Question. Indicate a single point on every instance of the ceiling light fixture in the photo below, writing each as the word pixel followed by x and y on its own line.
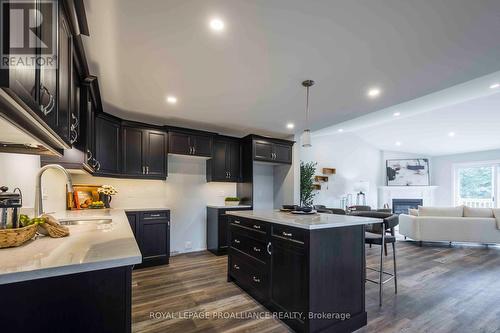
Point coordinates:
pixel 398 143
pixel 451 134
pixel 172 99
pixel 290 126
pixel 340 130
pixel 216 24
pixel 306 136
pixel 396 114
pixel 495 86
pixel 374 92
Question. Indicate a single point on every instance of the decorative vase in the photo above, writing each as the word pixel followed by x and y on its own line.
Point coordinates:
pixel 106 199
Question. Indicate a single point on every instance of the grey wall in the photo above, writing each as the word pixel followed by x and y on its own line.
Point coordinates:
pixel 442 172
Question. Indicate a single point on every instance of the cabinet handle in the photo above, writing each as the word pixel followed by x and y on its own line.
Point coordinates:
pixel 237 222
pixel 236 267
pixel 147 170
pixel 287 234
pixel 256 226
pixel 155 215
pixel 269 248
pixel 47 109
pixel 89 155
pixel 256 249
pixel 98 165
pixel 255 279
pixel 74 129
pixel 237 241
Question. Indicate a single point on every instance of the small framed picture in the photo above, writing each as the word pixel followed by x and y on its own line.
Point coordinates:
pixel 83 196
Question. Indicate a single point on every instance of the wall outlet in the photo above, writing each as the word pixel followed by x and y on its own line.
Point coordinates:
pixel 188 245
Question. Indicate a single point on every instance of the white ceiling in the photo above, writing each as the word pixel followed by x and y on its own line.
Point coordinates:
pixel 247 79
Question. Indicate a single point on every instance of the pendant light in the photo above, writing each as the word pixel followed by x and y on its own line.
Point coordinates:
pixel 306 136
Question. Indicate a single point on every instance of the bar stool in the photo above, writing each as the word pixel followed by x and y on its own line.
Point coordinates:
pixel 378 236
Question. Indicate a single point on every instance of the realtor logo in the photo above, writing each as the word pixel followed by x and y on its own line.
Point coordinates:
pixel 29 33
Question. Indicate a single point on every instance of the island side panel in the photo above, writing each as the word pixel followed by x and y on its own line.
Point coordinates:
pixel 337 278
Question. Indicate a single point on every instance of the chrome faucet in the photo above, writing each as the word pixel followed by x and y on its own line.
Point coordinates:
pixel 38 188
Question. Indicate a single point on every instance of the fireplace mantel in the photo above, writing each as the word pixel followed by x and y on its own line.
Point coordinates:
pixel 387 193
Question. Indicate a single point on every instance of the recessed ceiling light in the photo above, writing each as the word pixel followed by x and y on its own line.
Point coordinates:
pixel 290 125
pixel 340 130
pixel 451 134
pixel 216 24
pixel 398 143
pixel 396 114
pixel 495 85
pixel 374 92
pixel 171 99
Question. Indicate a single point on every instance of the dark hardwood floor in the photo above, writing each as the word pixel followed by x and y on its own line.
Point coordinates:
pixel 440 289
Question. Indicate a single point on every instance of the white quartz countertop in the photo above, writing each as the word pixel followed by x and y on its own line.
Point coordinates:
pixel 89 247
pixel 226 207
pixel 310 222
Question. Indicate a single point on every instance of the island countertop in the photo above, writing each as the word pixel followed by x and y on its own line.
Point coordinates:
pixel 88 247
pixel 309 222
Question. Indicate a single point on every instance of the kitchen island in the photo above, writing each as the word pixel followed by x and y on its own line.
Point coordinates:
pixel 307 269
pixel 79 283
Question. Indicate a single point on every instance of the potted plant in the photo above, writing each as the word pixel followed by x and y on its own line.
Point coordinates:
pixel 307 171
pixel 105 194
pixel 232 201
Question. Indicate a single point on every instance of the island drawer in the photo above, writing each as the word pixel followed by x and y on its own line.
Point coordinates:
pixel 290 233
pixel 250 275
pixel 249 243
pixel 249 223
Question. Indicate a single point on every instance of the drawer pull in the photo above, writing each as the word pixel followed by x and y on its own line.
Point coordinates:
pixel 256 279
pixel 237 241
pixel 237 222
pixel 236 267
pixel 287 234
pixel 269 247
pixel 155 215
pixel 256 249
pixel 256 226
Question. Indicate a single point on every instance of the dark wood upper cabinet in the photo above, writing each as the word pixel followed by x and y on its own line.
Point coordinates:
pixel 144 153
pixel 108 145
pixel 190 144
pixel 225 163
pixel 272 150
pixel 155 157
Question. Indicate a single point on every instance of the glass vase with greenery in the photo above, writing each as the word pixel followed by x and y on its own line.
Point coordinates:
pixel 307 171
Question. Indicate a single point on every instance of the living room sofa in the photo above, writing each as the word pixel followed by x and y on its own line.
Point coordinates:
pixel 451 224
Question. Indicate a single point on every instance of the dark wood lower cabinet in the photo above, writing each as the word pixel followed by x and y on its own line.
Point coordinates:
pixel 96 301
pixel 152 233
pixel 217 229
pixel 314 278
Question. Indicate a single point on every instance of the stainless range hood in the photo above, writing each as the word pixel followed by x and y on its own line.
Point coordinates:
pixel 22 132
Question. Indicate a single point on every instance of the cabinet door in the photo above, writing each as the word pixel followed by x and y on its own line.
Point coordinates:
pixel 23 80
pixel 223 231
pixel 282 153
pixel 154 240
pixel 155 158
pixel 233 160
pixel 263 150
pixel 133 151
pixel 107 146
pixel 288 276
pixel 202 145
pixel 219 161
pixel 178 143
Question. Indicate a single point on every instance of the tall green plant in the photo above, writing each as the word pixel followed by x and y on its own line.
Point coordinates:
pixel 307 171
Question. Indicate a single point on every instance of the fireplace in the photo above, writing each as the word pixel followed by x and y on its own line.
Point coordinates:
pixel 401 206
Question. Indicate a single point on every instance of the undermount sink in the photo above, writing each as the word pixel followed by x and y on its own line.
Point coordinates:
pixel 85 222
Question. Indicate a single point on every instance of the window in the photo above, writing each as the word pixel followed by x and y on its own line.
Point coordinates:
pixel 476 185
